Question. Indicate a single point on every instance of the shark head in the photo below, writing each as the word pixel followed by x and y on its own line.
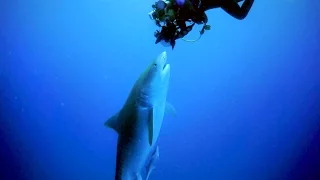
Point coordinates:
pixel 155 79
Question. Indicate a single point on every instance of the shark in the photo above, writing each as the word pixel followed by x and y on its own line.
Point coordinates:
pixel 138 122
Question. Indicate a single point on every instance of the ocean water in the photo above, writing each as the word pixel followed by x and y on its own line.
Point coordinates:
pixel 247 94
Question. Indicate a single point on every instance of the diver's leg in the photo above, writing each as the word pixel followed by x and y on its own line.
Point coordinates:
pixel 211 4
pixel 233 8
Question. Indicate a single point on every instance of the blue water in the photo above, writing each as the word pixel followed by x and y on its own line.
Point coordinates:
pixel 247 94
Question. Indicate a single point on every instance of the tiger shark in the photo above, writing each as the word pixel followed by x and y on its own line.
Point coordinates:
pixel 139 121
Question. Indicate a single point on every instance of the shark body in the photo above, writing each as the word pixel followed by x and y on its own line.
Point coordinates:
pixel 139 121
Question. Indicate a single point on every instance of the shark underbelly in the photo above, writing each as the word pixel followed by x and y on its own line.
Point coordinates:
pixel 132 154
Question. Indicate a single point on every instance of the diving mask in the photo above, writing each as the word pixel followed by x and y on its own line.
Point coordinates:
pixel 160 11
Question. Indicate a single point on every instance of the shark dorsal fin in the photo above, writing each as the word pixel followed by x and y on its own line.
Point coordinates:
pixel 113 123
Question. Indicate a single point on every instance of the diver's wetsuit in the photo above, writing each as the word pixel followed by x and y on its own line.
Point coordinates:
pixel 171 32
pixel 197 15
pixel 230 6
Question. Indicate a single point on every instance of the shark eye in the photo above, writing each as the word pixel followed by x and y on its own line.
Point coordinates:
pixel 155 65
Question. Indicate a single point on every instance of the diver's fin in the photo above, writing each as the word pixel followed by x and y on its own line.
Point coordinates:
pixel 113 123
pixel 151 166
pixel 170 109
pixel 150 125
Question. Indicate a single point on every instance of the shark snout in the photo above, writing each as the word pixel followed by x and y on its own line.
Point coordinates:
pixel 162 60
pixel 164 54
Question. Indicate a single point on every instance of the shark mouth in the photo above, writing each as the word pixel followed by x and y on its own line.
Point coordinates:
pixel 165 66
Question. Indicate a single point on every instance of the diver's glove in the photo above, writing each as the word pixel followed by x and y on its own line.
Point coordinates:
pixel 200 17
pixel 205 28
pixel 165 41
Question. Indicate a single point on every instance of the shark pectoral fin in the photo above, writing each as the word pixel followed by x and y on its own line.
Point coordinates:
pixel 150 125
pixel 153 160
pixel 113 123
pixel 138 177
pixel 170 110
pixel 149 173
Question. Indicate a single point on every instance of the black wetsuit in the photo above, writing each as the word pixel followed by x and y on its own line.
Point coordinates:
pixel 197 15
pixel 230 6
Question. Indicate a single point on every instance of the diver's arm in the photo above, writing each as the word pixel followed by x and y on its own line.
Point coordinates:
pixel 233 8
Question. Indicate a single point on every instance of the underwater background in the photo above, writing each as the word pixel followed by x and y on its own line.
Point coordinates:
pixel 247 94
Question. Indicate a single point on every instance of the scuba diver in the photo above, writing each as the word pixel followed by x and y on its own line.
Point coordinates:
pixel 173 15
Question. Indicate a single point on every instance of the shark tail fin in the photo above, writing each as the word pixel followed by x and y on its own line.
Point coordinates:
pixel 113 123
